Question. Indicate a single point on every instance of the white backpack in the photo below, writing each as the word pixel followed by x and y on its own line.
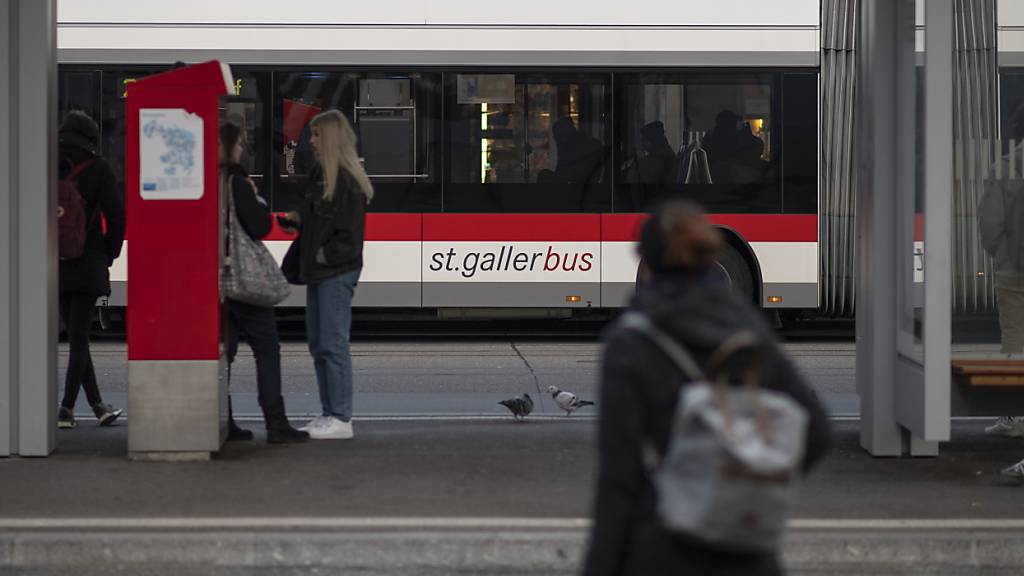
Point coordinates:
pixel 732 463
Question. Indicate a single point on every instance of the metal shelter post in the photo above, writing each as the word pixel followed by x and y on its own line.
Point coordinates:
pixel 903 323
pixel 28 259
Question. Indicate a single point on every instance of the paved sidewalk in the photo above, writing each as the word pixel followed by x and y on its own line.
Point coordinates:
pixel 448 494
pixel 467 468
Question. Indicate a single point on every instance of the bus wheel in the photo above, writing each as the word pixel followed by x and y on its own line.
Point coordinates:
pixel 735 271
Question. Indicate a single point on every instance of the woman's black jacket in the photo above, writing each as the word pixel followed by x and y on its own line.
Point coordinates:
pixel 90 273
pixel 639 389
pixel 251 210
pixel 331 231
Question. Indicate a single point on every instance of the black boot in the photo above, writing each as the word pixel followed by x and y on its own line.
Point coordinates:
pixel 234 432
pixel 279 431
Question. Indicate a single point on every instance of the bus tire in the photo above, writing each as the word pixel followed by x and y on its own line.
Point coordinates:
pixel 733 266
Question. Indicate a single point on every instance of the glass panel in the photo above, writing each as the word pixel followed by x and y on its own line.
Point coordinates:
pixel 528 143
pixel 1003 269
pixel 252 115
pixel 395 116
pixel 710 139
pixel 78 90
pixel 988 276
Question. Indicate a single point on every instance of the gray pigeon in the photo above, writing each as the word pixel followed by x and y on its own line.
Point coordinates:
pixel 520 406
pixel 567 400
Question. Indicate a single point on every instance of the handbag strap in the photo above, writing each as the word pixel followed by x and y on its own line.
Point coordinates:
pixel 231 209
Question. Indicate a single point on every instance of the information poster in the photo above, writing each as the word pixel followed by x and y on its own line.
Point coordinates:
pixel 170 154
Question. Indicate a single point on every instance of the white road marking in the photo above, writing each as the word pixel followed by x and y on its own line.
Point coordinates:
pixel 372 523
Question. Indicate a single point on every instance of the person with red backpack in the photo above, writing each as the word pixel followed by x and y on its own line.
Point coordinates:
pixel 88 197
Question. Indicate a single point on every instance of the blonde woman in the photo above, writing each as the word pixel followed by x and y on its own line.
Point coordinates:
pixel 330 258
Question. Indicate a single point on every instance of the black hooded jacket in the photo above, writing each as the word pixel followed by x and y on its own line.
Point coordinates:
pixel 90 274
pixel 331 231
pixel 639 391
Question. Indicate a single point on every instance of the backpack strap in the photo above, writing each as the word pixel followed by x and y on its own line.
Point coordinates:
pixel 639 322
pixel 77 169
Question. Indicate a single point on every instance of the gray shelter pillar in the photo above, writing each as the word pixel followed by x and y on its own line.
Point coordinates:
pixel 28 259
pixel 903 329
pixel 877 136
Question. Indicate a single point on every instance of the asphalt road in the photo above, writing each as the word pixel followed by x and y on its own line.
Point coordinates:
pixel 416 376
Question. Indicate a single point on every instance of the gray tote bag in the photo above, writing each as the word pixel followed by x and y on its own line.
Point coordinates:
pixel 730 470
pixel 250 274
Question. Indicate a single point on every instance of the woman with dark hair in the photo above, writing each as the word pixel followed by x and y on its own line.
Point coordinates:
pixel 640 386
pixel 255 323
pixel 87 277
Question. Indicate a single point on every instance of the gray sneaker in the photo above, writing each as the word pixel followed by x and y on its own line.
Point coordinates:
pixel 66 419
pixel 1015 471
pixel 106 414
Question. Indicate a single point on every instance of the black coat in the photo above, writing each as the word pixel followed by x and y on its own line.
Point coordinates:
pixel 90 274
pixel 639 390
pixel 331 231
pixel 252 211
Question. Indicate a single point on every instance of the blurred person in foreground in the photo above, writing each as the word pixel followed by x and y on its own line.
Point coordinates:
pixel 686 299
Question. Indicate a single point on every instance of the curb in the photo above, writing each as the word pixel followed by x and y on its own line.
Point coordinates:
pixel 430 548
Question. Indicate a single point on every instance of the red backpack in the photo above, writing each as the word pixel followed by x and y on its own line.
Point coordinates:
pixel 72 226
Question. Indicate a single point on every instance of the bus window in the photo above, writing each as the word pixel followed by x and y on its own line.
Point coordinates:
pixel 78 90
pixel 528 143
pixel 252 116
pixel 298 97
pixel 114 84
pixel 709 138
pixel 800 143
pixel 395 117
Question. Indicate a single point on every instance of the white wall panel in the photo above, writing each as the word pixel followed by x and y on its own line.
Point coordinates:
pixel 642 12
pixel 441 12
pixel 781 262
pixel 787 262
pixel 382 261
pixel 457 40
pixel 1010 13
pixel 619 261
pixel 242 12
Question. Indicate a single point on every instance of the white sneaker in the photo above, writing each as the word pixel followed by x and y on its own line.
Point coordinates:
pixel 334 429
pixel 315 423
pixel 1007 426
pixel 1015 471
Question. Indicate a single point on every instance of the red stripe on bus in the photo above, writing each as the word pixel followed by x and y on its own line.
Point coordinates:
pixel 382 227
pixel 512 227
pixel 379 228
pixel 752 227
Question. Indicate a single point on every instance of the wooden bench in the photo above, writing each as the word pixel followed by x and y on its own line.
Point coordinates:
pixel 989 372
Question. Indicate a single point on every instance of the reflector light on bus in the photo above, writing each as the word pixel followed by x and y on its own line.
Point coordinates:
pixel 775 299
pixel 573 298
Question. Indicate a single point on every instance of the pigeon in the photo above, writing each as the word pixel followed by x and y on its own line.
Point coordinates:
pixel 520 406
pixel 567 400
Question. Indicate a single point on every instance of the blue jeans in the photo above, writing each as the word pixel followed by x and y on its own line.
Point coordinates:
pixel 328 323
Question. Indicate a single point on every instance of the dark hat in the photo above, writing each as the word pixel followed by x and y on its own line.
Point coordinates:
pixel 78 129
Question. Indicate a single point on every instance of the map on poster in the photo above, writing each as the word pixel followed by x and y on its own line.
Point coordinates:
pixel 170 154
